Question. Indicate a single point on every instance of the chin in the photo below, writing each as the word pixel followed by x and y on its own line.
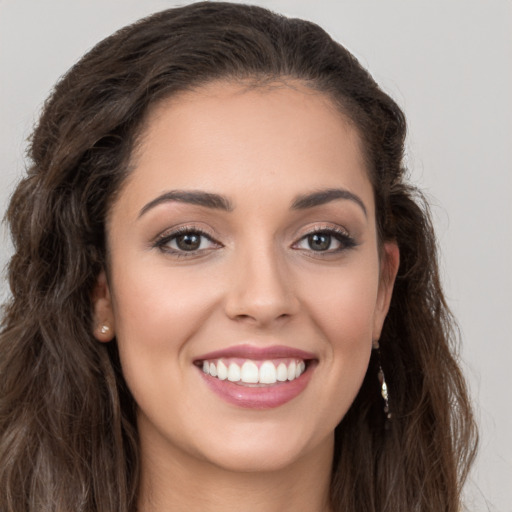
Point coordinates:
pixel 254 458
pixel 261 448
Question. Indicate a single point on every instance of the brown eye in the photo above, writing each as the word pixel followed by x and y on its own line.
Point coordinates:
pixel 319 241
pixel 329 241
pixel 188 241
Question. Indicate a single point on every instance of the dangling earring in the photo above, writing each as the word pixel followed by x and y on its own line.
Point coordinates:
pixel 383 385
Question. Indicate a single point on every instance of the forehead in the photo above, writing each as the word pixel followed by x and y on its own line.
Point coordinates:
pixel 247 105
pixel 225 137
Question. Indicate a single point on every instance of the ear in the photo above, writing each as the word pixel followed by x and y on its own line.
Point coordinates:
pixel 103 314
pixel 389 267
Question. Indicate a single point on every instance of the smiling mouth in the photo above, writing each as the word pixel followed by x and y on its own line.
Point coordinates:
pixel 254 373
pixel 255 377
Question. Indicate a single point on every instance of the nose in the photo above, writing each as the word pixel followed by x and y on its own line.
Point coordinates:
pixel 261 290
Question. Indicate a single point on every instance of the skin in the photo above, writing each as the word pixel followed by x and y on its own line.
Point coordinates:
pixel 258 282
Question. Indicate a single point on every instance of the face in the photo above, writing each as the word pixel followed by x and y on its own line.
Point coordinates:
pixel 245 285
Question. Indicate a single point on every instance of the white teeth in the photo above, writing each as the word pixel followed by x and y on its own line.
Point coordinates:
pixel 282 372
pixel 291 370
pixel 234 372
pixel 268 373
pixel 249 373
pixel 222 371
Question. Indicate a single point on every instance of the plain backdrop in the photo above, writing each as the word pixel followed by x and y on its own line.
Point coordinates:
pixel 448 64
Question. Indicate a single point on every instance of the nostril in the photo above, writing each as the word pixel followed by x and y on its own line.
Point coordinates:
pixel 243 317
pixel 261 301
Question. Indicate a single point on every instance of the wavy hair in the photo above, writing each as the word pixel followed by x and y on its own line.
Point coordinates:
pixel 68 437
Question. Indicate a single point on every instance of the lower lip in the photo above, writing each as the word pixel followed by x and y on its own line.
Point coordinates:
pixel 265 397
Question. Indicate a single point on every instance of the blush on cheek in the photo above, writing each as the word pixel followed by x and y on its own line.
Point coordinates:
pixel 345 323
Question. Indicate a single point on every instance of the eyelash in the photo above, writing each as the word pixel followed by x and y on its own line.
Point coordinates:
pixel 345 240
pixel 165 239
pixel 162 243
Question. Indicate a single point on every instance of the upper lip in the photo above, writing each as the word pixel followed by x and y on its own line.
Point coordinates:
pixel 257 353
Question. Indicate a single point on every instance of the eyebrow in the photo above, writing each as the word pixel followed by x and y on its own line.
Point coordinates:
pixel 199 198
pixel 218 202
pixel 326 196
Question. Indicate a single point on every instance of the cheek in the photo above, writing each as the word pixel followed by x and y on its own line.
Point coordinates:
pixel 343 303
pixel 157 313
pixel 343 321
pixel 158 306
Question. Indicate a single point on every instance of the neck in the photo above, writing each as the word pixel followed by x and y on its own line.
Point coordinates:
pixel 182 482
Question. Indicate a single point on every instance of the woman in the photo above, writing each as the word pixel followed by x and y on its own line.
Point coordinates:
pixel 225 295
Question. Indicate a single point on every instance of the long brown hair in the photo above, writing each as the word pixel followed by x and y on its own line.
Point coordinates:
pixel 68 438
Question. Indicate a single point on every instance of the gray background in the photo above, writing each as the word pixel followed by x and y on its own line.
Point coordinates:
pixel 448 64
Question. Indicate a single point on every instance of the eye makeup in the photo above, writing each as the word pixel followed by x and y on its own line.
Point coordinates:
pixel 186 241
pixel 193 241
pixel 325 240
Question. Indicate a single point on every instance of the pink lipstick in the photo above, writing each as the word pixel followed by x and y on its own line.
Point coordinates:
pixel 257 377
